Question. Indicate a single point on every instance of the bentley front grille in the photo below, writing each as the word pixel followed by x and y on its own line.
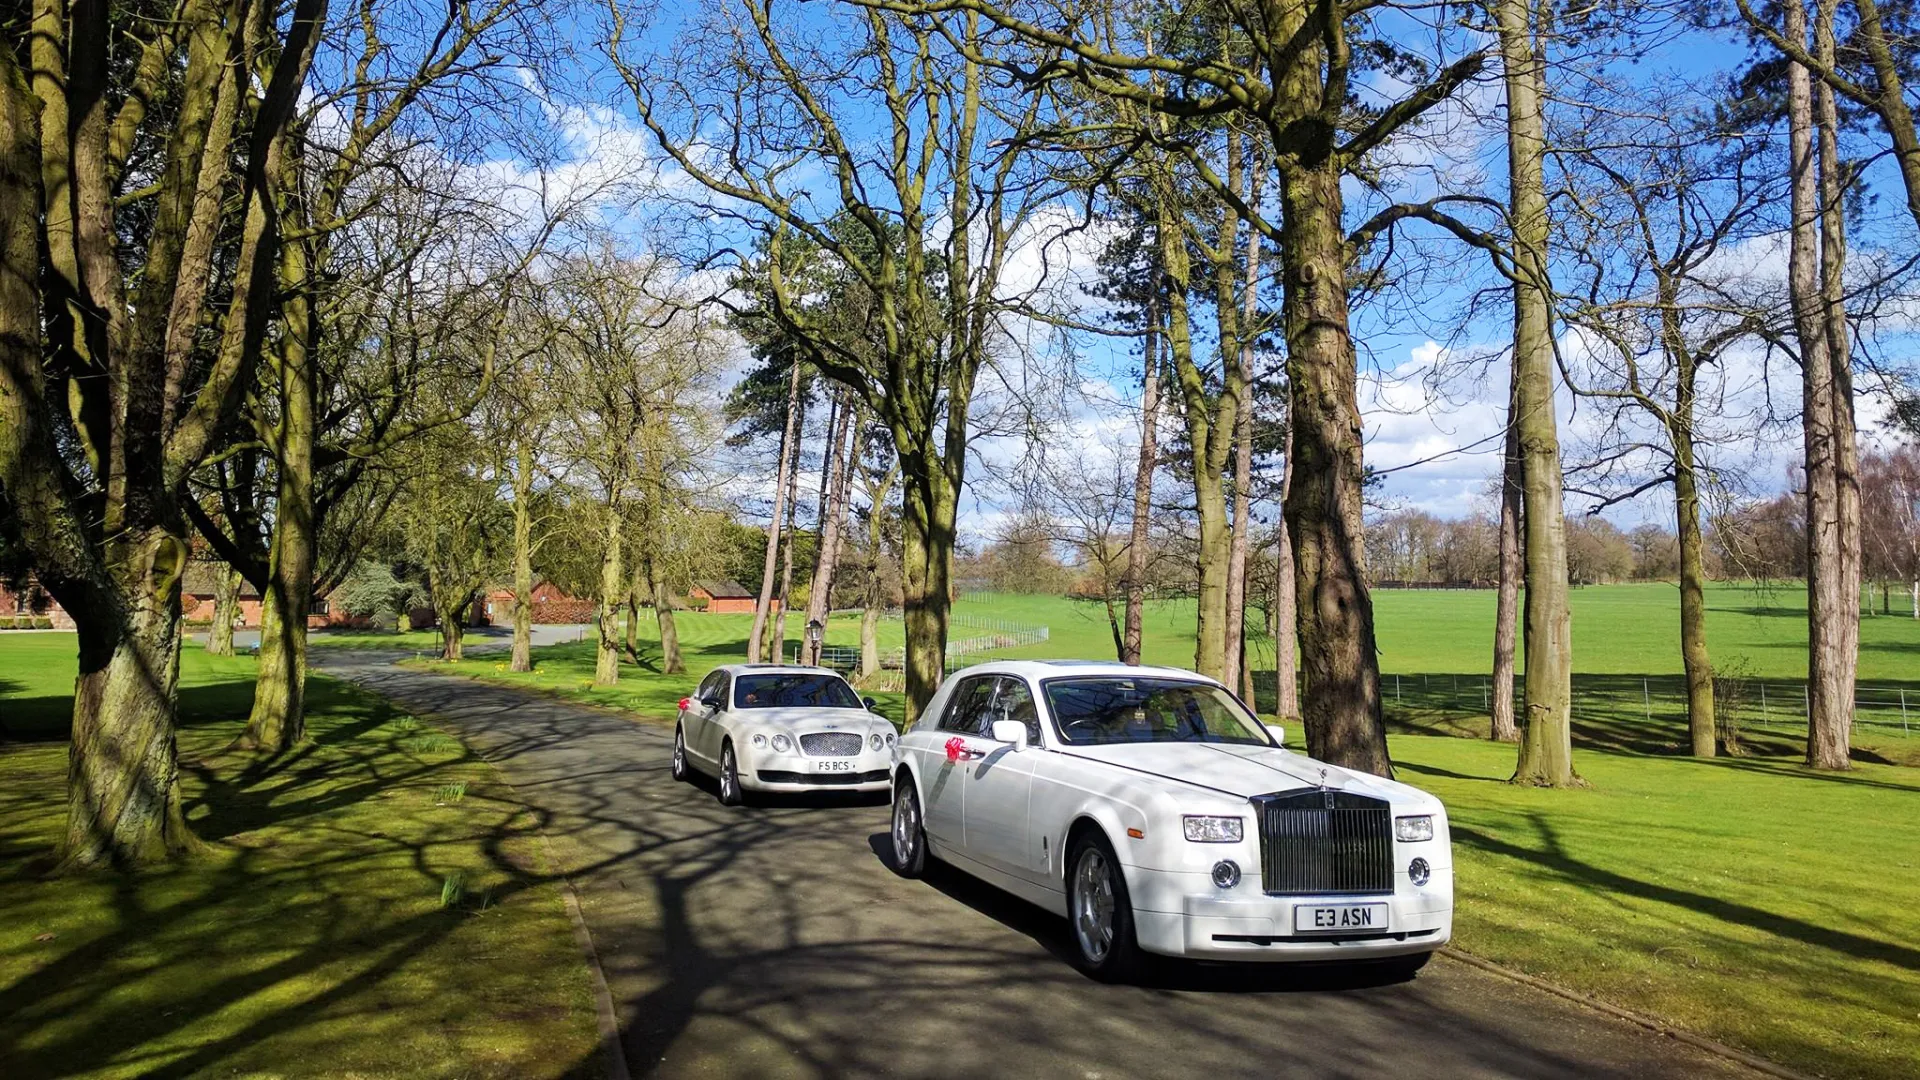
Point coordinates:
pixel 831 744
pixel 1320 842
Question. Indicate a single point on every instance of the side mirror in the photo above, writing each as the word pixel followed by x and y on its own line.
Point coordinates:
pixel 872 705
pixel 1012 732
pixel 710 703
pixel 1279 733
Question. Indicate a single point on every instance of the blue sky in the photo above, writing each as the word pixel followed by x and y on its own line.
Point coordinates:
pixel 1433 383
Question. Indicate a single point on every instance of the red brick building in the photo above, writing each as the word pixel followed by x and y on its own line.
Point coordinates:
pixel 725 596
pixel 552 606
pixel 32 601
pixel 197 601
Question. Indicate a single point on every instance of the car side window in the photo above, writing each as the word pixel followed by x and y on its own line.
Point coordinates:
pixel 723 689
pixel 708 687
pixel 967 712
pixel 1015 702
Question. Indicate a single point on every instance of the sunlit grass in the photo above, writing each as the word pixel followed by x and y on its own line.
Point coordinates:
pixel 317 935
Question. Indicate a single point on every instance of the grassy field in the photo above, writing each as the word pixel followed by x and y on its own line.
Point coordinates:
pixel 376 904
pixel 1743 898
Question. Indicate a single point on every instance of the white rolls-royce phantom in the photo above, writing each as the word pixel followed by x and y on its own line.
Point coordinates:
pixel 778 727
pixel 1149 807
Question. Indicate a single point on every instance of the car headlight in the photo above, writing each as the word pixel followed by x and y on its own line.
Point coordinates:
pixel 890 738
pixel 782 744
pixel 1202 829
pixel 760 741
pixel 873 741
pixel 1414 828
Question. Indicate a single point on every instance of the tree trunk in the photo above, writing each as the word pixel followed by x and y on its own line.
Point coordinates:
pixel 123 793
pixel 1546 745
pixel 278 721
pixel 777 644
pixel 1286 607
pixel 1341 707
pixel 522 659
pixel 671 662
pixel 1830 615
pixel 827 558
pixel 755 648
pixel 870 639
pixel 1236 655
pixel 452 633
pixel 1506 616
pixel 1143 482
pixel 634 589
pixel 1842 649
pixel 1197 409
pixel 928 522
pixel 226 607
pixel 1702 728
pixel 613 590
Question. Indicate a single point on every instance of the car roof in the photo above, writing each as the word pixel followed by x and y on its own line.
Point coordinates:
pixel 1054 669
pixel 776 669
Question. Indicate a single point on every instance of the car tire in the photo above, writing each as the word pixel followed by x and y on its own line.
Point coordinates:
pixel 908 830
pixel 679 766
pixel 731 793
pixel 1099 911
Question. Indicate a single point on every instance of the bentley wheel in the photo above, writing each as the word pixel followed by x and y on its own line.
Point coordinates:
pixel 909 837
pixel 679 754
pixel 1101 912
pixel 730 792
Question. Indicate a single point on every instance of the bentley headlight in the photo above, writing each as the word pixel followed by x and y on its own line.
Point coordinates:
pixel 890 738
pixel 873 740
pixel 1202 829
pixel 1408 830
pixel 782 744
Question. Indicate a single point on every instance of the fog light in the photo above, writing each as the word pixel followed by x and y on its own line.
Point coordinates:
pixel 873 741
pixel 782 744
pixel 1226 873
pixel 1419 872
pixel 760 741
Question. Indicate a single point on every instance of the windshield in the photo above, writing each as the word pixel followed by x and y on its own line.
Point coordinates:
pixel 793 691
pixel 1124 709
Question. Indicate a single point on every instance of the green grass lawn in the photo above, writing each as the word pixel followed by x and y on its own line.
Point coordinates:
pixel 1743 898
pixel 311 937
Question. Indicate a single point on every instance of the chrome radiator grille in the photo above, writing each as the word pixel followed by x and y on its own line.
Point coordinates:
pixel 1323 842
pixel 831 744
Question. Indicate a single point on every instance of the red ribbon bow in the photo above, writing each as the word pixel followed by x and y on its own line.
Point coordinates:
pixel 956 748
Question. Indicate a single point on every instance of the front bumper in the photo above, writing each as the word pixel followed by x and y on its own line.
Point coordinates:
pixel 764 770
pixel 1184 914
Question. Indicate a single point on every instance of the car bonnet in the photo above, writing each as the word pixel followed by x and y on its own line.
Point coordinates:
pixel 1235 769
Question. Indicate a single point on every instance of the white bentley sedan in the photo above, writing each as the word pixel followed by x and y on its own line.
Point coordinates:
pixel 1149 807
pixel 774 727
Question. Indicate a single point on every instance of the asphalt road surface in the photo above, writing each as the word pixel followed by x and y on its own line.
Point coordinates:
pixel 772 941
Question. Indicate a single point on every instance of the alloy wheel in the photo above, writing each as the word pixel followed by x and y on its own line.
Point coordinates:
pixel 906 827
pixel 1093 905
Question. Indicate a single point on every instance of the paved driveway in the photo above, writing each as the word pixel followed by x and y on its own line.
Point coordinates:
pixel 774 942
